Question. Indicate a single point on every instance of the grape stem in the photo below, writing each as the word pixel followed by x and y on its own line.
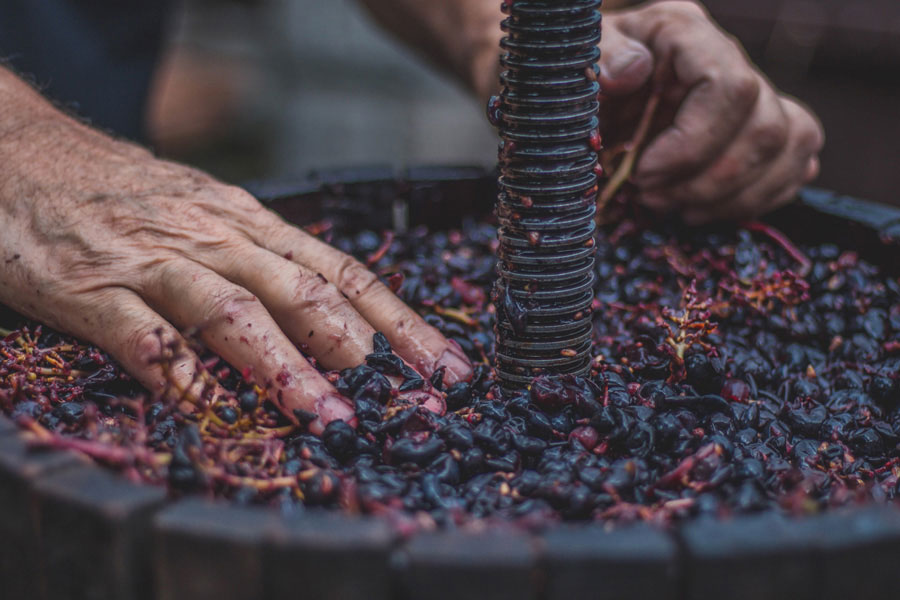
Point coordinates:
pixel 382 250
pixel 782 240
pixel 633 148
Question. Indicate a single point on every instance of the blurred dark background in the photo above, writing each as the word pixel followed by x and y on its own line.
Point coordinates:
pixel 842 57
pixel 269 88
pixel 273 88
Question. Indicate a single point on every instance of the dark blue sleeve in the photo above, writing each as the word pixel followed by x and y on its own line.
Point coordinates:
pixel 95 57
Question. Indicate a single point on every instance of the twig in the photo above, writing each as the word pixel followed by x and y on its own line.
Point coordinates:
pixel 782 240
pixel 456 315
pixel 119 456
pixel 633 148
pixel 382 250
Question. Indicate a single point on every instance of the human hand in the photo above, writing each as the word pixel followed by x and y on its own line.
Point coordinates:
pixel 101 240
pixel 724 144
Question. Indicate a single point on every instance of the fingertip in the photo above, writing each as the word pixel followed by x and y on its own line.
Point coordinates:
pixel 458 367
pixel 812 169
pixel 332 407
pixel 436 404
pixel 431 401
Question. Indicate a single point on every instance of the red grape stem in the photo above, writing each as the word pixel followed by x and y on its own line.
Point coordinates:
pixel 382 250
pixel 111 454
pixel 782 240
pixel 633 148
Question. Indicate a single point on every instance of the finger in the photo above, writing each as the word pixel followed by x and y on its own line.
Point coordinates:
pixel 812 169
pixel 796 163
pixel 744 161
pixel 312 312
pixel 309 309
pixel 723 88
pixel 145 344
pixel 625 63
pixel 781 180
pixel 412 338
pixel 235 325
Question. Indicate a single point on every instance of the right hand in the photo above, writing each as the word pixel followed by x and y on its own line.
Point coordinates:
pixel 101 240
pixel 725 144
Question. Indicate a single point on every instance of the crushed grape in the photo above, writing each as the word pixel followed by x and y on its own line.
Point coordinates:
pixel 731 372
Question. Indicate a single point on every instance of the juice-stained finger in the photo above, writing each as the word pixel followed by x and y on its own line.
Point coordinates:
pixel 309 309
pixel 312 312
pixel 146 345
pixel 418 343
pixel 234 324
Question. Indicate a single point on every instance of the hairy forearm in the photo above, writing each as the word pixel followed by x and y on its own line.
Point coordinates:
pixel 34 134
pixel 20 105
pixel 460 36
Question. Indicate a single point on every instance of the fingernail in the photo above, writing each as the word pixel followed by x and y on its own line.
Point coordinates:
pixel 458 366
pixel 619 64
pixel 432 402
pixel 333 407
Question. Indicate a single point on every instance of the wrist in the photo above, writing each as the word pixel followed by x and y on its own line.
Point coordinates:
pixel 26 142
pixel 20 105
pixel 29 122
pixel 53 156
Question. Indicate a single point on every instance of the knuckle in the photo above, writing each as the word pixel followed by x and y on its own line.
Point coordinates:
pixel 807 130
pixel 742 87
pixel 312 291
pixel 241 199
pixel 230 302
pixel 149 274
pixel 261 224
pixel 688 10
pixel 811 138
pixel 238 194
pixel 188 214
pixel 770 137
pixel 354 279
pixel 146 343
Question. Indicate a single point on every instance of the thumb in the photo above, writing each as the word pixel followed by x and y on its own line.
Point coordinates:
pixel 625 63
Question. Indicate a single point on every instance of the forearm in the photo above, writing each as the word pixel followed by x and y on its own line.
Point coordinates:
pixel 20 105
pixel 34 135
pixel 460 36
